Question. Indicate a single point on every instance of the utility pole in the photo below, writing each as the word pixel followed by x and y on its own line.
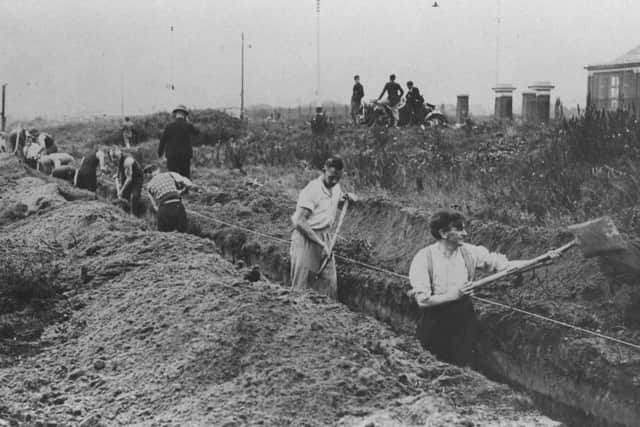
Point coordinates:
pixel 122 94
pixel 498 44
pixel 242 79
pixel 4 117
pixel 317 52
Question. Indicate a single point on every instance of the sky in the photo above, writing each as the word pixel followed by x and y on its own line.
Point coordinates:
pixel 73 57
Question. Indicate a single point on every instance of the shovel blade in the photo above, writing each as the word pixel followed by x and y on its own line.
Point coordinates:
pixel 598 237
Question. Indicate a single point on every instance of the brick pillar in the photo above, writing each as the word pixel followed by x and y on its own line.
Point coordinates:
pixel 529 107
pixel 462 108
pixel 543 100
pixel 504 101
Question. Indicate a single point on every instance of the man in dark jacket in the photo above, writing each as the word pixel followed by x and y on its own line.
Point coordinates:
pixel 394 95
pixel 175 143
pixel 356 99
pixel 414 101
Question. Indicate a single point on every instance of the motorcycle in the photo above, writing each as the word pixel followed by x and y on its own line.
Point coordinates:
pixel 378 112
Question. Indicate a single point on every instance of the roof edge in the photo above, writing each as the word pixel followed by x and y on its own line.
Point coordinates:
pixel 597 67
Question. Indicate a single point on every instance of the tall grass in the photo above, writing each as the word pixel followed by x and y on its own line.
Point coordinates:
pixel 574 169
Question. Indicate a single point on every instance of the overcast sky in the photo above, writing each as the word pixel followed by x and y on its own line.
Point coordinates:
pixel 64 56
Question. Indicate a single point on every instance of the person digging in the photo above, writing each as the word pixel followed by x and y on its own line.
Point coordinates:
pixel 312 263
pixel 441 277
pixel 129 181
pixel 164 191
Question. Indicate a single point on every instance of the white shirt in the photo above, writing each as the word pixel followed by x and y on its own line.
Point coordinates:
pixel 449 271
pixel 321 201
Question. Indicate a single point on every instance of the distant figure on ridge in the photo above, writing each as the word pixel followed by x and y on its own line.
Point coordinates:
pixel 176 143
pixel 127 132
pixel 356 99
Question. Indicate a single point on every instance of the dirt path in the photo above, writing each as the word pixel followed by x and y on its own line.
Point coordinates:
pixel 163 331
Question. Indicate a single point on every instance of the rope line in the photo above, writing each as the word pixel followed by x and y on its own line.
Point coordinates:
pixel 405 277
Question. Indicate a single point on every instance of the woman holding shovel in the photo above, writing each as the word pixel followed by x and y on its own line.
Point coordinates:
pixel 312 263
pixel 441 278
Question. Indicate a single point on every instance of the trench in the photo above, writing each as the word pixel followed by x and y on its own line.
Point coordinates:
pixel 566 378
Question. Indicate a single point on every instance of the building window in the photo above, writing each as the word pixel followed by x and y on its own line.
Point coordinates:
pixel 614 92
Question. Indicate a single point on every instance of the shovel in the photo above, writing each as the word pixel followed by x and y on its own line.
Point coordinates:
pixel 597 237
pixel 332 243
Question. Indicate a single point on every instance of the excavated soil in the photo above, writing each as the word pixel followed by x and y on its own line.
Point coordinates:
pixel 153 328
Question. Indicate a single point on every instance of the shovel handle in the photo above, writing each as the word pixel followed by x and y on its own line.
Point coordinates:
pixel 325 262
pixel 524 267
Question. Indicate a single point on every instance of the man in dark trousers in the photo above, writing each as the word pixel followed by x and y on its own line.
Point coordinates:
pixel 356 99
pixel 165 191
pixel 176 143
pixel 441 276
pixel 394 94
pixel 414 100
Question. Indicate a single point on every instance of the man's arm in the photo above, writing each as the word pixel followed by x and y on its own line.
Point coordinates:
pixel 128 173
pixel 300 220
pixel 183 181
pixel 154 205
pixel 384 89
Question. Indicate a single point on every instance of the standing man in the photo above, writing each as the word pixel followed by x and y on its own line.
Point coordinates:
pixel 176 143
pixel 127 132
pixel 394 94
pixel 165 190
pixel 414 101
pixel 356 99
pixel 315 212
pixel 440 276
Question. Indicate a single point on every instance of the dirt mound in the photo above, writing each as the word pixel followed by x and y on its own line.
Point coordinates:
pixel 162 330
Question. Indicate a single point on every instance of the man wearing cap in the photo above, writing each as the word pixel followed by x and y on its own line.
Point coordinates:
pixel 175 143
pixel 164 191
pixel 315 212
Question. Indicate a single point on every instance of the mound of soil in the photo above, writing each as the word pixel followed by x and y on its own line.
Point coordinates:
pixel 163 331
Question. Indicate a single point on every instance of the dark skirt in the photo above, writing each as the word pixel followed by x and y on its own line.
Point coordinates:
pixel 448 331
pixel 179 164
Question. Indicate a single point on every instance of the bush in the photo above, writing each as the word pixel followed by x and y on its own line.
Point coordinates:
pixel 27 273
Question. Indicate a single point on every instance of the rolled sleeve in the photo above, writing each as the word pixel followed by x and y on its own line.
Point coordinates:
pixel 491 261
pixel 306 199
pixel 419 276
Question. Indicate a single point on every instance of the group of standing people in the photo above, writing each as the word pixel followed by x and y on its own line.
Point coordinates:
pixel 394 93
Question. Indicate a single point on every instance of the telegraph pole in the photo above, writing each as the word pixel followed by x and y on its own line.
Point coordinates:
pixel 317 52
pixel 242 79
pixel 4 117
pixel 498 44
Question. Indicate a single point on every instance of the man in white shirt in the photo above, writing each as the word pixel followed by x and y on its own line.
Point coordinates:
pixel 316 210
pixel 440 276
